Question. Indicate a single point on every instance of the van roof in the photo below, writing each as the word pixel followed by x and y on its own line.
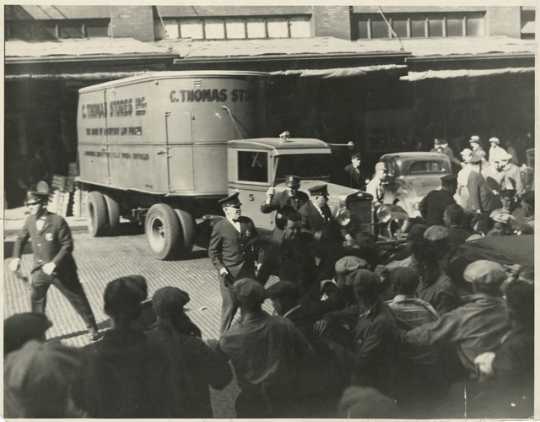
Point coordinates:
pixel 276 144
pixel 420 155
pixel 151 76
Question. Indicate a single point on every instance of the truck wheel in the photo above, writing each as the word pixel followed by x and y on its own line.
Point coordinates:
pixel 98 220
pixel 163 231
pixel 113 211
pixel 187 226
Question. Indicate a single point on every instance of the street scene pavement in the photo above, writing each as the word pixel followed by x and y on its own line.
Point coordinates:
pixel 100 260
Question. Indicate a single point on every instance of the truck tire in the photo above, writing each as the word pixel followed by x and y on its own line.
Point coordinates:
pixel 98 220
pixel 113 211
pixel 163 231
pixel 187 225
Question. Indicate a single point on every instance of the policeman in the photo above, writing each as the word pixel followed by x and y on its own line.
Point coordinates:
pixel 232 251
pixel 291 197
pixel 53 260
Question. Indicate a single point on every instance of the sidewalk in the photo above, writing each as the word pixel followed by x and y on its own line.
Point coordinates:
pixel 14 219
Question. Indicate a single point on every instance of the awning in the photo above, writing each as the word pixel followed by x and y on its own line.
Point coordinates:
pixel 341 72
pixel 464 73
pixel 72 76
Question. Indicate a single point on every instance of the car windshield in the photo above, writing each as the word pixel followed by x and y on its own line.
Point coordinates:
pixel 305 166
pixel 427 167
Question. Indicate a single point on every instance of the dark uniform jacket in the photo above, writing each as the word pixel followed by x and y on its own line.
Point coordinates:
pixel 53 243
pixel 355 177
pixel 231 249
pixel 433 205
pixel 312 220
pixel 282 199
pixel 480 195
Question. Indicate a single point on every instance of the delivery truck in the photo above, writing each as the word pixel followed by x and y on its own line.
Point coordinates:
pixel 161 148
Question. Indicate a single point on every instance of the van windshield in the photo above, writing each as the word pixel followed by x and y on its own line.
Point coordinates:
pixel 308 166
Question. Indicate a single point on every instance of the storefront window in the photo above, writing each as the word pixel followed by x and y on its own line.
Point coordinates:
pixel 454 26
pixel 379 28
pixel 362 28
pixel 94 30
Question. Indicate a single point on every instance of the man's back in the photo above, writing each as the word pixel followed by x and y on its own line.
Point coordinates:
pixel 433 205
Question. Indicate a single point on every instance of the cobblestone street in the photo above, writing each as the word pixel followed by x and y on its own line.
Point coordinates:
pixel 102 259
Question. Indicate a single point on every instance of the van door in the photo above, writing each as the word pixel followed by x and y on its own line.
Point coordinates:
pixel 252 180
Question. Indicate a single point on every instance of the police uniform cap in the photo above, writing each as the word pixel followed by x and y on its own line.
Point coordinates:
pixel 319 190
pixel 34 196
pixel 349 264
pixel 292 181
pixel 249 291
pixel 494 140
pixel 436 233
pixel 230 201
pixel 169 301
pixel 282 289
pixel 485 272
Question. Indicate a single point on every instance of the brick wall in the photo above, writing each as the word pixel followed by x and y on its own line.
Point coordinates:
pixel 332 21
pixel 504 21
pixel 133 21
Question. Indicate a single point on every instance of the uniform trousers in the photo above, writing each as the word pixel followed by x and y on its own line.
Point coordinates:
pixel 70 286
pixel 229 303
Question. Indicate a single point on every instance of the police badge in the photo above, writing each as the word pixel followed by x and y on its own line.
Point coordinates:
pixel 48 237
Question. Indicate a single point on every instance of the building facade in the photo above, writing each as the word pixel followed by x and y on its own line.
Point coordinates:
pixel 388 78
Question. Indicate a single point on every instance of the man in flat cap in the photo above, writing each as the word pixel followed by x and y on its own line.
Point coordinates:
pixel 52 245
pixel 474 142
pixel 475 327
pixel 194 366
pixel 232 251
pixel 482 198
pixel 495 149
pixel 267 354
pixel 508 174
pixel 355 176
pixel 434 203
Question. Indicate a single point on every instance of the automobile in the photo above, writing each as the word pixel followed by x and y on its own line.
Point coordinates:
pixel 411 175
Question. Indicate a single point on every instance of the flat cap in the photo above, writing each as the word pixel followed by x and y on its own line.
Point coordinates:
pixel 20 328
pixel 474 139
pixel 494 140
pixel 124 295
pixel 319 190
pixel 169 301
pixel 485 272
pixel 436 233
pixel 282 289
pixel 349 264
pixel 230 201
pixel 249 291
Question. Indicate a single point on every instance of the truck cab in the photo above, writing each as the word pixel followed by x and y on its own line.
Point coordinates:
pixel 255 165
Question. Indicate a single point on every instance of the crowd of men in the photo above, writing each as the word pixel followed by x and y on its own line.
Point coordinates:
pixel 355 333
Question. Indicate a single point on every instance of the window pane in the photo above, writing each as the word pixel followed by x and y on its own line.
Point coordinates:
pixel 378 28
pixel 362 28
pixel 252 166
pixel 278 28
pixel 400 27
pixel 418 27
pixel 256 28
pixel 172 29
pixel 97 30
pixel 73 30
pixel 235 29
pixel 475 26
pixel 435 27
pixel 215 29
pixel 300 27
pixel 454 26
pixel 191 29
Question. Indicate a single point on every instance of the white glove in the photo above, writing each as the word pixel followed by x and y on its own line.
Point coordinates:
pixel 223 272
pixel 484 363
pixel 271 191
pixel 14 264
pixel 49 268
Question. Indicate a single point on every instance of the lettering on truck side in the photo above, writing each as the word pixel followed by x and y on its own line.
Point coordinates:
pixel 209 95
pixel 118 108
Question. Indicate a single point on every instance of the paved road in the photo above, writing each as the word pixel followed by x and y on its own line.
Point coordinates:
pixel 103 259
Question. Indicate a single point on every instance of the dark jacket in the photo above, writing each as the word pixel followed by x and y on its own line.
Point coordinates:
pixel 53 243
pixel 194 367
pixel 230 249
pixel 125 375
pixel 282 199
pixel 433 205
pixel 355 178
pixel 481 197
pixel 312 220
